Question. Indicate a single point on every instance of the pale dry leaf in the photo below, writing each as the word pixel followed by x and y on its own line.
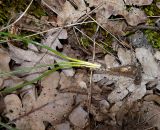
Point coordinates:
pixel 52 38
pixel 125 56
pixel 110 61
pixel 63 126
pixel 137 94
pixel 116 27
pixel 145 57
pixel 138 2
pixel 72 14
pixel 13 106
pixel 52 106
pixel 28 96
pixel 4 62
pixel 135 16
pixel 79 117
pixel 121 91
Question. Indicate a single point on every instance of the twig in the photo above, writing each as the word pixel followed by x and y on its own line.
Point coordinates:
pixel 144 27
pixel 91 73
pixel 85 51
pixel 18 18
pixel 89 38
pixel 50 8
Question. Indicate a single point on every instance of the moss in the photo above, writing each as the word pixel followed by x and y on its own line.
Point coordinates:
pixel 9 7
pixel 101 36
pixel 153 38
pixel 152 10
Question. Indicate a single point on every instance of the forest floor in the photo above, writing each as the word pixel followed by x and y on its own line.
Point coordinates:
pixel 80 65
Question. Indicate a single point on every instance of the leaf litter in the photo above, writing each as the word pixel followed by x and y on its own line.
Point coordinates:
pixel 122 90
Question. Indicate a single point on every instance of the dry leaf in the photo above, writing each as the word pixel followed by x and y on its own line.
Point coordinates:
pixel 4 64
pixel 79 117
pixel 117 7
pixel 150 67
pixel 135 16
pixel 50 106
pixel 138 2
pixel 72 14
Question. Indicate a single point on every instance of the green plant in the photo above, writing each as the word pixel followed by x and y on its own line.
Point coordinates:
pixel 153 38
pixel 72 62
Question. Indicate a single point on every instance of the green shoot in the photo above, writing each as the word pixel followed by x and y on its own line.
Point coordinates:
pixel 72 62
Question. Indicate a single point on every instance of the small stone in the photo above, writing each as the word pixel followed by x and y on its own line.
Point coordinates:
pixel 139 40
pixel 79 117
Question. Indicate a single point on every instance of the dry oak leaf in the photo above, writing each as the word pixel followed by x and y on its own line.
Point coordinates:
pixel 50 106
